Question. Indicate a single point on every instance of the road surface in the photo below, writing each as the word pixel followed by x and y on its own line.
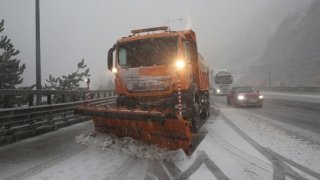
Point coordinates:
pixel 278 141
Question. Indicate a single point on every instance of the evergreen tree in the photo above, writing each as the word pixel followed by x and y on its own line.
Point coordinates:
pixel 70 81
pixel 10 68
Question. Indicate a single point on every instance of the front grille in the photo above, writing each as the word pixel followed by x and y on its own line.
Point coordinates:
pixel 148 86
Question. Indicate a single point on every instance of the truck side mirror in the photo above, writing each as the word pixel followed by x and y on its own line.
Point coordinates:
pixel 110 57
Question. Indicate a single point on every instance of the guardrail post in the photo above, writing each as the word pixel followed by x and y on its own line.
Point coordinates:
pixel 30 99
pixel 110 93
pixel 74 98
pixel 98 94
pixel 63 98
pixel 38 99
pixel 7 101
pixel 104 94
pixel 49 100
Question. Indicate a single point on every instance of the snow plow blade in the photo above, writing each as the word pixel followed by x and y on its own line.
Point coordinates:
pixel 151 127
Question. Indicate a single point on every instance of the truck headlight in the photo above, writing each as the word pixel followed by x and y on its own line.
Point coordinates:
pixel 180 64
pixel 218 91
pixel 114 70
pixel 240 97
pixel 260 97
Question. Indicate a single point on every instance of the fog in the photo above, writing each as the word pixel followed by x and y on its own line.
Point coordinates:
pixel 76 29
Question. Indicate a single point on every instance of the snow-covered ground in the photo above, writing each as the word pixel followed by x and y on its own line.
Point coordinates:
pixel 233 144
pixel 128 146
pixel 296 148
pixel 302 97
pixel 107 157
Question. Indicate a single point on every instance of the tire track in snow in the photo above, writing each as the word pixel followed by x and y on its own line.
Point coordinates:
pixel 171 169
pixel 280 169
pixel 174 173
pixel 244 156
pixel 131 167
pixel 156 170
pixel 202 157
pixel 37 169
pixel 294 130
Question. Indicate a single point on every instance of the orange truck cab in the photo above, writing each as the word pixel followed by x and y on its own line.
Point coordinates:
pixel 154 66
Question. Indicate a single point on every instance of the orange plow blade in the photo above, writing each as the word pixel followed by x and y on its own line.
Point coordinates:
pixel 151 127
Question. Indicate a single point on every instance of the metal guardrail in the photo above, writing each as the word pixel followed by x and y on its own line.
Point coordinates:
pixel 56 110
pixel 7 95
pixel 291 89
pixel 20 123
pixel 48 92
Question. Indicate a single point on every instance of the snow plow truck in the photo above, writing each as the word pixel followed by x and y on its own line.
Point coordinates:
pixel 162 86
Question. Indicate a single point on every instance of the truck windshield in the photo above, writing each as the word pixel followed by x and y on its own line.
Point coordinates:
pixel 148 52
pixel 223 79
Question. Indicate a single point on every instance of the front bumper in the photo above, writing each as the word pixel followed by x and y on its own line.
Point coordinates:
pixel 250 102
pixel 159 102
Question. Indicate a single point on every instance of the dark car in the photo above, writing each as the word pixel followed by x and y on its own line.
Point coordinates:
pixel 244 96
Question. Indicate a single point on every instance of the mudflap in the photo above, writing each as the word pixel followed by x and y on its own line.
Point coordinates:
pixel 151 127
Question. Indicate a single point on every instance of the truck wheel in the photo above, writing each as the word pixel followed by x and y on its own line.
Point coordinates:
pixel 228 102
pixel 203 105
pixel 208 105
pixel 120 101
pixel 195 118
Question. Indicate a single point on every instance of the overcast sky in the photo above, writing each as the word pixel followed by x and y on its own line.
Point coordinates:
pixel 76 29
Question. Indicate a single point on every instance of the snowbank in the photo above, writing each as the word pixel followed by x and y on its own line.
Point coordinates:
pixel 129 147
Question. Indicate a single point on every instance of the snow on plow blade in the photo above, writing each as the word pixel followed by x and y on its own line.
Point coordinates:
pixel 151 127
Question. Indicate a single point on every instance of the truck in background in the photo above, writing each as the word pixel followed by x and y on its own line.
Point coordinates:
pixel 221 81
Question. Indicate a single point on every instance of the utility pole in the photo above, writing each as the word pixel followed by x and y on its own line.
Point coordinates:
pixel 38 57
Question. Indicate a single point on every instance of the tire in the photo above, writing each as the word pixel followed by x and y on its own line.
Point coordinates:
pixel 208 106
pixel 195 121
pixel 205 107
pixel 228 102
pixel 260 106
pixel 120 101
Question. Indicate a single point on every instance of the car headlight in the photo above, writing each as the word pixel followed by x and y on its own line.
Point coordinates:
pixel 240 97
pixel 180 64
pixel 218 90
pixel 260 97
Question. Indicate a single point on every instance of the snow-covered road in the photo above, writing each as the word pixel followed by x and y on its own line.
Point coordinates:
pixel 275 142
pixel 302 97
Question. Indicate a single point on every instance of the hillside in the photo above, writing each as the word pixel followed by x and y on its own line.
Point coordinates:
pixel 292 55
